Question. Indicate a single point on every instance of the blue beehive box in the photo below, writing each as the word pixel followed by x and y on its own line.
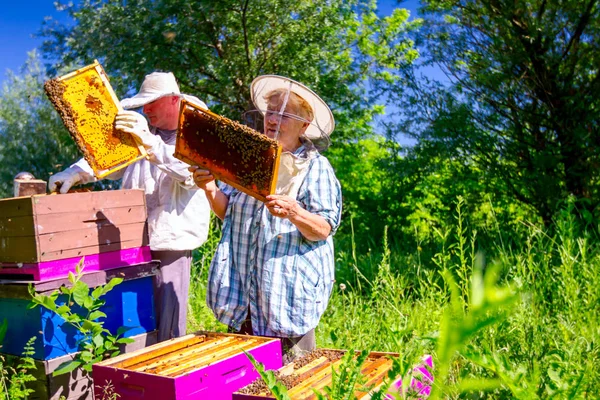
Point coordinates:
pixel 129 304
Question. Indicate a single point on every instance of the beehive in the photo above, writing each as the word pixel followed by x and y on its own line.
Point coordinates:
pixel 88 105
pixel 234 153
pixel 197 366
pixel 76 385
pixel 314 371
pixel 45 236
pixel 131 304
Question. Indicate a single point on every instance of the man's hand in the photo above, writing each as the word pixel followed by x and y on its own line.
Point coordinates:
pixel 282 206
pixel 203 179
pixel 64 180
pixel 135 124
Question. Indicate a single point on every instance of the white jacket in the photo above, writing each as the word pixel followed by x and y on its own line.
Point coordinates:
pixel 178 211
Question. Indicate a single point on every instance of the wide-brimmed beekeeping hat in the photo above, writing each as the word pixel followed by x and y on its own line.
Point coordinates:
pixel 155 86
pixel 322 123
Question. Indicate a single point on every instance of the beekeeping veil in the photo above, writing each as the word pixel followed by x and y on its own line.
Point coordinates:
pixel 273 95
pixel 313 109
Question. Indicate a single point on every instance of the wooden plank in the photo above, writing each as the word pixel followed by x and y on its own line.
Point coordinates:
pixel 320 379
pixel 166 360
pixel 18 249
pixel 92 218
pixel 61 222
pixel 19 289
pixel 168 346
pixel 100 235
pixel 213 357
pixel 16 207
pixel 74 202
pixel 95 249
pixel 375 375
pixel 17 226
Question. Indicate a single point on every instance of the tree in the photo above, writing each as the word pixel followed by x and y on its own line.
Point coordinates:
pixel 215 48
pixel 32 135
pixel 523 96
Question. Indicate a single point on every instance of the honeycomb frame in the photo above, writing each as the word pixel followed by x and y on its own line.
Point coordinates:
pixel 234 153
pixel 87 104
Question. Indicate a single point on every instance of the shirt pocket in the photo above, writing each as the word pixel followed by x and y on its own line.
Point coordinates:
pixel 307 295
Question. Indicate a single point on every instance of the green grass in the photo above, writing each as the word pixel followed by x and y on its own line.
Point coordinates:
pixel 523 321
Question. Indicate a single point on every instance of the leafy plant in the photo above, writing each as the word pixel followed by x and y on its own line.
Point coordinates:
pixel 277 388
pixel 13 380
pixel 81 309
pixel 347 379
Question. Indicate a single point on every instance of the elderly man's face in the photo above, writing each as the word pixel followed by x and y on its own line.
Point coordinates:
pixel 164 112
pixel 290 129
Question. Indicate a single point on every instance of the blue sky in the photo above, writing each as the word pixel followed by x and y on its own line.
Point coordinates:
pixel 20 20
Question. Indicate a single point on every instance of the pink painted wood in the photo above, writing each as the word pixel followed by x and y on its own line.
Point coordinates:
pixel 216 381
pixel 48 270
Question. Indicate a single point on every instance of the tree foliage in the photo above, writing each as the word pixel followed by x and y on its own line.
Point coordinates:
pixel 523 96
pixel 32 136
pixel 215 49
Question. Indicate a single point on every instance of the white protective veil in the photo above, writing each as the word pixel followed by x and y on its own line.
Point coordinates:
pixel 292 168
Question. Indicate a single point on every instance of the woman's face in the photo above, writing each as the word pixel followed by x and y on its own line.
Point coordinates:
pixel 290 128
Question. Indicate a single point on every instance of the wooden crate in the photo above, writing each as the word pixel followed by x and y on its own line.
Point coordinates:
pixel 305 376
pixel 88 105
pixel 39 229
pixel 197 366
pixel 76 385
pixel 130 303
pixel 234 153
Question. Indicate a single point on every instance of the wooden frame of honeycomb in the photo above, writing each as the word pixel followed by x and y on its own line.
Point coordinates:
pixel 234 153
pixel 88 105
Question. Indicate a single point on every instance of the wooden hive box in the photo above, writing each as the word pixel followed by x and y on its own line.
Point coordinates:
pixel 131 303
pixel 76 385
pixel 88 105
pixel 314 371
pixel 197 366
pixel 44 236
pixel 234 153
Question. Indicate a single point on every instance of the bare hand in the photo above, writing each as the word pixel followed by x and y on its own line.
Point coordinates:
pixel 203 179
pixel 282 206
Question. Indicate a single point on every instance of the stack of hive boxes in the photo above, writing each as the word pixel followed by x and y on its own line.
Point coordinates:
pixel 42 239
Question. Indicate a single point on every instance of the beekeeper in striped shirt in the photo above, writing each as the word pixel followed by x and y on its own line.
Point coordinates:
pixel 273 270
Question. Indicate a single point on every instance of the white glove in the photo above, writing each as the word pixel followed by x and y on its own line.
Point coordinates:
pixel 64 180
pixel 135 124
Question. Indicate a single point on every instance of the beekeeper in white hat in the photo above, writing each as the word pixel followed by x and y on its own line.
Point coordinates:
pixel 178 213
pixel 273 270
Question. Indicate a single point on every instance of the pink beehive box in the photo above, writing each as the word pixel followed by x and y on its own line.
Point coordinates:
pixel 43 237
pixel 202 365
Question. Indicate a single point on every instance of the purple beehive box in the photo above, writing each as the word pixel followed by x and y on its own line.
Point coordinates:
pixel 202 365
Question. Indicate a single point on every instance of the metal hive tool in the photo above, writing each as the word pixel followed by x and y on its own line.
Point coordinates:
pixel 234 153
pixel 88 105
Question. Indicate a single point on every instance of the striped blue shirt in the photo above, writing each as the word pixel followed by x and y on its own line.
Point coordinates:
pixel 263 262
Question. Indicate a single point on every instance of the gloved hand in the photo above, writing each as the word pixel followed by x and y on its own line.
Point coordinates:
pixel 64 180
pixel 135 124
